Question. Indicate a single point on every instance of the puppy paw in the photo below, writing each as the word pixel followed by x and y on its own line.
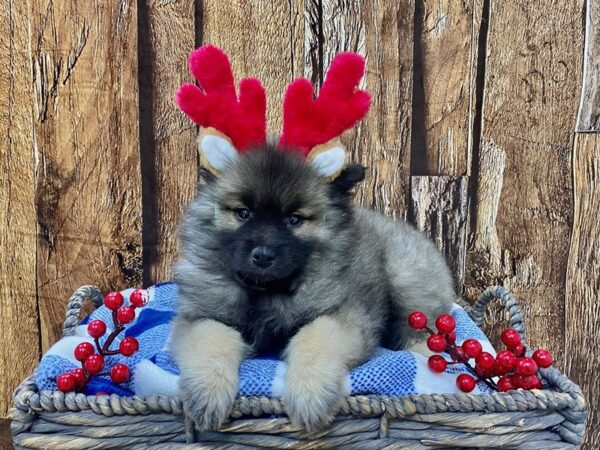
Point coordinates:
pixel 312 398
pixel 208 402
pixel 208 354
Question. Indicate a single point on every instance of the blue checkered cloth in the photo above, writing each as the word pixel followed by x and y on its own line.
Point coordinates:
pixel 393 373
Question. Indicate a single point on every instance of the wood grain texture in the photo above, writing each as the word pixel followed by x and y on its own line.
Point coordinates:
pixel 531 89
pixel 263 40
pixel 484 237
pixel 86 146
pixel 311 25
pixel 479 32
pixel 383 32
pixel 5 436
pixel 443 60
pixel 582 310
pixel 19 335
pixel 588 119
pixel 343 29
pixel 167 136
pixel 439 207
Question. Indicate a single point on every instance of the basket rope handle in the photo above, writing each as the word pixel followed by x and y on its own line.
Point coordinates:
pixel 511 305
pixel 75 305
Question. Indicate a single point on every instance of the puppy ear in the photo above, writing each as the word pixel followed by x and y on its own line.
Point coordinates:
pixel 216 150
pixel 328 159
pixel 349 177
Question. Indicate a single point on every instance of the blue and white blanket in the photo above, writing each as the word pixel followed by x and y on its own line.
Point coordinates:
pixel 394 373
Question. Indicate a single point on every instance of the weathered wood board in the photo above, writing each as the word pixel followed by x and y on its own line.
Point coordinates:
pixel 582 309
pixel 532 77
pixel 19 333
pixel 88 196
pixel 167 35
pixel 439 206
pixel 383 32
pixel 588 119
pixel 442 102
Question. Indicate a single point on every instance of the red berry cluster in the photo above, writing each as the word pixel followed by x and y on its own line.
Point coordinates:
pixel 92 359
pixel 515 369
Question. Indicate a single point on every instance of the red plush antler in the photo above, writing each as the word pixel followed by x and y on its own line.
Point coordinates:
pixel 214 103
pixel 340 104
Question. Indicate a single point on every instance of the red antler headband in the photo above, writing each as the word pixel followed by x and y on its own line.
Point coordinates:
pixel 233 124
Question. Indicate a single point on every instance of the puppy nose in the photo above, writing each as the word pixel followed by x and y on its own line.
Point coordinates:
pixel 262 256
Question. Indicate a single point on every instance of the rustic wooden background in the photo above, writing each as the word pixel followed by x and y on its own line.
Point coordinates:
pixel 474 136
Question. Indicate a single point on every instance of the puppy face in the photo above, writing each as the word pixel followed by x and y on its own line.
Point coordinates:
pixel 271 214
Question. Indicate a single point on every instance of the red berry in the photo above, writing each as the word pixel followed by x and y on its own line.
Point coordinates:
pixel 451 338
pixel 436 343
pixel 497 369
pixel 505 384
pixel 113 300
pixel 482 372
pixel 417 320
pixel 543 358
pixel 79 377
pixel 511 338
pixel 138 298
pixel 472 348
pixel 458 354
pixel 526 366
pixel 119 373
pixel 125 314
pixel 517 380
pixel 506 359
pixel 519 350
pixel 94 364
pixel 437 363
pixel 83 350
pixel 537 382
pixel 465 382
pixel 96 328
pixel 128 346
pixel 66 382
pixel 529 382
pixel 445 323
pixel 485 361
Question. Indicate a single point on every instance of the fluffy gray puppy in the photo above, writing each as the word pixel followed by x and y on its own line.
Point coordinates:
pixel 276 260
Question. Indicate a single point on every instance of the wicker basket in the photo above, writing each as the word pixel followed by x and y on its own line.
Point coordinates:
pixel 540 419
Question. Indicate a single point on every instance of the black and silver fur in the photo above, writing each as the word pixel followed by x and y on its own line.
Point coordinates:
pixel 334 282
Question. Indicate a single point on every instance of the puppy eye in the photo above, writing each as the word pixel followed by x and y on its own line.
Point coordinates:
pixel 295 220
pixel 242 213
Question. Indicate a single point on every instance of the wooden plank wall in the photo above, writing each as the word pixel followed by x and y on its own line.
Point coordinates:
pixel 18 296
pixel 471 136
pixel 582 309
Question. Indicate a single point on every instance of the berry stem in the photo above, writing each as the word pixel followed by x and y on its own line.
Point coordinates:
pixel 111 337
pixel 452 350
pixel 488 381
pixel 111 352
pixel 98 347
pixel 104 350
pixel 109 340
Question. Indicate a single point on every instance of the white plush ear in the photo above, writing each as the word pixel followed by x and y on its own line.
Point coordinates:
pixel 329 162
pixel 217 149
